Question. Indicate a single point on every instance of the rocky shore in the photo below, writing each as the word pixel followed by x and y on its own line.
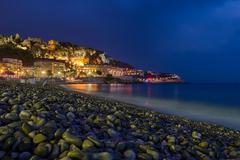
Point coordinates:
pixel 52 123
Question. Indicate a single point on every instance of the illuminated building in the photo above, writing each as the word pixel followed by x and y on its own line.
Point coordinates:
pixel 28 71
pixel 151 77
pixel 92 70
pixel 52 44
pixel 79 61
pixel 11 65
pixel 49 68
pixel 13 61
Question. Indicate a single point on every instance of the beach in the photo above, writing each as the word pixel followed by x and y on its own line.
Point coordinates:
pixel 51 122
pixel 212 103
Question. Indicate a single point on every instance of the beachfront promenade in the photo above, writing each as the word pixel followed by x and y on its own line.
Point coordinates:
pixel 52 123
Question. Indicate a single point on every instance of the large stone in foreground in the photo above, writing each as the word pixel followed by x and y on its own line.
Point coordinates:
pixel 43 149
pixel 71 139
pixel 39 138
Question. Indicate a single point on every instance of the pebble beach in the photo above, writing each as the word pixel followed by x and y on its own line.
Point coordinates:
pixel 50 122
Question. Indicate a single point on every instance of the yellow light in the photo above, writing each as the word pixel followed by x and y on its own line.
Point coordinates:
pixel 59 72
pixel 79 63
pixel 43 72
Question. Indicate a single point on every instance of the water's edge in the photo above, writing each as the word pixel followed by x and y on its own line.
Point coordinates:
pixel 187 112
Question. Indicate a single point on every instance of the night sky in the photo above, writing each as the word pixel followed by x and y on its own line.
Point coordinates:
pixel 197 39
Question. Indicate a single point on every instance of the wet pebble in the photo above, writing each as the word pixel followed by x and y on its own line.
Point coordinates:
pixel 196 135
pixel 39 138
pixel 43 149
pixel 44 123
pixel 2 154
pixel 71 139
pixel 130 154
pixel 87 144
pixel 25 155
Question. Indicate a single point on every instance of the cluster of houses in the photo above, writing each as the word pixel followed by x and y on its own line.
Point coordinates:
pixel 14 68
pixel 67 61
pixel 59 60
pixel 43 68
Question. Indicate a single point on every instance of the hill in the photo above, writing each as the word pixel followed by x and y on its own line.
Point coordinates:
pixel 30 48
pixel 9 52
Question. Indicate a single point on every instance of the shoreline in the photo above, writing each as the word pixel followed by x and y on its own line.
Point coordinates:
pixel 103 98
pixel 153 105
pixel 65 124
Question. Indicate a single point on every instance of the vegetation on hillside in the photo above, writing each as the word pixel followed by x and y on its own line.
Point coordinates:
pixel 10 52
pixel 14 46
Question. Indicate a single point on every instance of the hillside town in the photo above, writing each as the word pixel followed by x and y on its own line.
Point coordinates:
pixel 35 58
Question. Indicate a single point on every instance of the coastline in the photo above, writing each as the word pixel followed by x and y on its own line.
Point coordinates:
pixel 216 129
pixel 196 112
pixel 64 124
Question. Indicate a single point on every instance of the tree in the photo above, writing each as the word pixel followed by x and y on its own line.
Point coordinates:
pixel 49 73
pixel 109 77
pixel 73 73
pixel 82 74
pixel 10 52
pixel 99 72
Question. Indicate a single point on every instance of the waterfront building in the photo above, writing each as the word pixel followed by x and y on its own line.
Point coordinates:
pixel 49 68
pixel 11 66
pixel 28 72
pixel 132 72
pixel 116 71
pixel 151 77
pixel 92 71
pixel 104 70
pixel 13 61
pixel 100 71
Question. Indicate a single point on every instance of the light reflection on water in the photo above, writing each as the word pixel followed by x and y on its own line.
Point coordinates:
pixel 118 88
pixel 84 87
pixel 215 103
pixel 226 95
pixel 112 88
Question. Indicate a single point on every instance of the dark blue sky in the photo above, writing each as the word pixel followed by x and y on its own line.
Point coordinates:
pixel 198 39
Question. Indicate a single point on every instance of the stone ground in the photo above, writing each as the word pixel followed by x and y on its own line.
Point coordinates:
pixel 52 123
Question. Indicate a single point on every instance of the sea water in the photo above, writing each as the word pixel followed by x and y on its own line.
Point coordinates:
pixel 215 103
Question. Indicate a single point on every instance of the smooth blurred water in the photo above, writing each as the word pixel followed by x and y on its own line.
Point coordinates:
pixel 217 103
